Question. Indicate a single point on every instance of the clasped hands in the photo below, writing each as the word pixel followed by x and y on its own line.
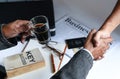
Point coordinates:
pixel 97 44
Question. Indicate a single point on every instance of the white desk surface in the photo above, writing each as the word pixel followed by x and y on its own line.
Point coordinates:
pixel 92 14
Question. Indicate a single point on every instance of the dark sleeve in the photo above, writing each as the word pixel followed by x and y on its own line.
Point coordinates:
pixel 77 68
pixel 6 43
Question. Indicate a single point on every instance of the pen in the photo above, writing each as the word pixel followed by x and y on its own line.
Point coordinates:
pixel 62 57
pixel 25 46
pixel 53 64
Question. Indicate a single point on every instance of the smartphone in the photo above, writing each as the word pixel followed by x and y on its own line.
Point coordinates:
pixel 75 42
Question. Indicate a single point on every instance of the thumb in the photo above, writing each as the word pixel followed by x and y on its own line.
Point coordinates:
pixel 96 39
pixel 90 35
pixel 108 40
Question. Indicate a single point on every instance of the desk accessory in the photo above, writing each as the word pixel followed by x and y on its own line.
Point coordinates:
pixel 58 50
pixel 64 51
pixel 75 42
pixel 24 62
pixel 53 63
pixel 27 42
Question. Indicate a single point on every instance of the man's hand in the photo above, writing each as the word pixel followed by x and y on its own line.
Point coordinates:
pixel 15 28
pixel 98 51
pixel 100 35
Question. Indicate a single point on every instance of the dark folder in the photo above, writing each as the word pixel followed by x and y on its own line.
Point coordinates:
pixel 10 11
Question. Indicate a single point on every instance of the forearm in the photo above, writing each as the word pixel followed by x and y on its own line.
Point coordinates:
pixel 113 20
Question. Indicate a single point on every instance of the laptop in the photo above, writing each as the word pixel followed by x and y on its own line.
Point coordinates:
pixel 10 11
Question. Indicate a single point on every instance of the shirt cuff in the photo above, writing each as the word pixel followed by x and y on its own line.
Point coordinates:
pixel 88 52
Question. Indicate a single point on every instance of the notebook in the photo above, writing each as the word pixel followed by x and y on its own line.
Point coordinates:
pixel 24 62
pixel 10 11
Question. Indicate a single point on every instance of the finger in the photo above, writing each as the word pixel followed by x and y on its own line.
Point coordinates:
pixel 23 39
pixel 96 39
pixel 21 22
pixel 99 58
pixel 23 26
pixel 106 47
pixel 24 35
pixel 108 40
pixel 90 35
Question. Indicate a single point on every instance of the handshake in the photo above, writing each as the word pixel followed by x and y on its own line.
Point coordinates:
pixel 97 44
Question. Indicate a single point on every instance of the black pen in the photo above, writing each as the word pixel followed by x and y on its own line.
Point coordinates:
pixel 25 45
